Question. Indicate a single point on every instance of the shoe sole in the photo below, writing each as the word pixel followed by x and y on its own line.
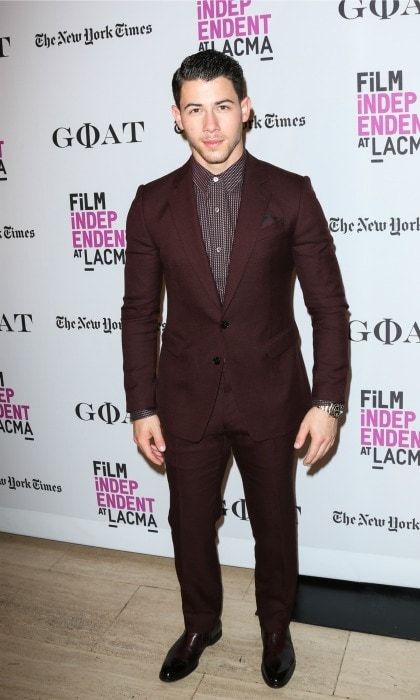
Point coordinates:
pixel 184 675
pixel 285 680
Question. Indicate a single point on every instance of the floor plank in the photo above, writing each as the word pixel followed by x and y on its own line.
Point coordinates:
pixel 49 606
pixel 216 688
pixel 142 569
pixel 33 670
pixel 30 551
pixel 85 623
pixel 380 667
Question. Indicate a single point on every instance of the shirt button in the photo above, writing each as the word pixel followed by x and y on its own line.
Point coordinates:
pixel 216 209
pixel 218 248
pixel 215 179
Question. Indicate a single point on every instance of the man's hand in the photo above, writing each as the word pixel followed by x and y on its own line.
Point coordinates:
pixel 147 435
pixel 322 429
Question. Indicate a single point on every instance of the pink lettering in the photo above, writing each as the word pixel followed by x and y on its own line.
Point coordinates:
pixel 122 502
pixel 108 238
pixel 226 27
pixel 387 437
pixel 381 102
pixel 16 411
pixel 6 394
pixel 388 124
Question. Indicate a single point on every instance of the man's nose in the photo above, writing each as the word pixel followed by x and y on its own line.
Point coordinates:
pixel 210 121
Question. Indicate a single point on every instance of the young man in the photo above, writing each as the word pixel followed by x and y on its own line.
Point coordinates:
pixel 227 232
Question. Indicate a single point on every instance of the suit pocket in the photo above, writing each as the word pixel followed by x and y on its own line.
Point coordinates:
pixel 173 343
pixel 281 342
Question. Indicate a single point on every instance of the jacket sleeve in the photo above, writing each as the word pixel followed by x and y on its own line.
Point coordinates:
pixel 141 308
pixel 323 291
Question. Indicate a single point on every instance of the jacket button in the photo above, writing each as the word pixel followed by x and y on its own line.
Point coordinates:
pixel 224 323
pixel 216 360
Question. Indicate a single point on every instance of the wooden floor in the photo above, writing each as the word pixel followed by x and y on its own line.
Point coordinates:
pixel 86 623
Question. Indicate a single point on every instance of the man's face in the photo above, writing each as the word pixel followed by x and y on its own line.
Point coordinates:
pixel 211 117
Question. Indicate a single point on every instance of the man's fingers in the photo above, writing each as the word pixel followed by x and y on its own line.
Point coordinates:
pixel 158 438
pixel 154 455
pixel 301 436
pixel 317 450
pixel 315 447
pixel 322 429
pixel 148 437
pixel 150 450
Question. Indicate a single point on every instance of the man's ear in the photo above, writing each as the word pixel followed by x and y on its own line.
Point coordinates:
pixel 245 108
pixel 177 116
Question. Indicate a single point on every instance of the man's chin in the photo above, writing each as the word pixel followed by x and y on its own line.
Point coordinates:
pixel 214 156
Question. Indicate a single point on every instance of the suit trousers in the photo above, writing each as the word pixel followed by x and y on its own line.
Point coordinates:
pixel 195 472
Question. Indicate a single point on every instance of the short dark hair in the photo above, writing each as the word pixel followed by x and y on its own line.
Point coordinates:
pixel 208 65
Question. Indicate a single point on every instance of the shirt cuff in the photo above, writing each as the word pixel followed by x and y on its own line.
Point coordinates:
pixel 142 413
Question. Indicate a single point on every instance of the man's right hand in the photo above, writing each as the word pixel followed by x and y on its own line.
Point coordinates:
pixel 147 435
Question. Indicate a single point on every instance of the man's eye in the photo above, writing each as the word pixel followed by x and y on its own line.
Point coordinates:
pixel 194 110
pixel 223 107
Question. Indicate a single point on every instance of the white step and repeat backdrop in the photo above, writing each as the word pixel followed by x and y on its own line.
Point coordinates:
pixel 85 118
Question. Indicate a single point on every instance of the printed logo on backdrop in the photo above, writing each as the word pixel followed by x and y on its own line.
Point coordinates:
pixel 95 239
pixel 381 9
pixel 4 46
pixel 83 323
pixel 33 484
pixel 16 323
pixel 389 430
pixel 394 226
pixel 14 416
pixel 91 35
pixel 106 413
pixel 271 120
pixel 235 27
pixel 392 523
pixel 88 135
pixel 119 499
pixel 386 331
pixel 388 121
pixel 239 509
pixel 3 171
pixel 11 233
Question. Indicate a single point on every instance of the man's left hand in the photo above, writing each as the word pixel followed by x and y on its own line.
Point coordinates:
pixel 322 428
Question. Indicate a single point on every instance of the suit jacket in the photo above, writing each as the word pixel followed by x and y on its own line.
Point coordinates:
pixel 281 230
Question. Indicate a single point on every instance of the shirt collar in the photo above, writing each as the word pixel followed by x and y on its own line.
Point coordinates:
pixel 230 178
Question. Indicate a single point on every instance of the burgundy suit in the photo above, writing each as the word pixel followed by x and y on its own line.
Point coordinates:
pixel 280 230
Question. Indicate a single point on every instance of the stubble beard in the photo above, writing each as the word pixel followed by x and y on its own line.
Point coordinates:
pixel 217 157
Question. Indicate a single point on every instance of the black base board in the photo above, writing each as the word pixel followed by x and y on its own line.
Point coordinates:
pixel 392 611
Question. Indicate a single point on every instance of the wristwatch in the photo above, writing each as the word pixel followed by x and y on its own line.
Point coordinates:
pixel 333 409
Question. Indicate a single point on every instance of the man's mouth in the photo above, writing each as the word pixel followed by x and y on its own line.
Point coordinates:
pixel 212 142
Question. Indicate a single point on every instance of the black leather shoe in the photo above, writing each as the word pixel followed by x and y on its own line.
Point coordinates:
pixel 278 660
pixel 183 656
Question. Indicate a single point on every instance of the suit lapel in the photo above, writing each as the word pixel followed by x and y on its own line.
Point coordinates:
pixel 254 202
pixel 184 210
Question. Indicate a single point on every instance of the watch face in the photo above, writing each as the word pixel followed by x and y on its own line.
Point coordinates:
pixel 333 409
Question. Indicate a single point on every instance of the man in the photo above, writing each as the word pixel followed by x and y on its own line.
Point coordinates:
pixel 227 232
